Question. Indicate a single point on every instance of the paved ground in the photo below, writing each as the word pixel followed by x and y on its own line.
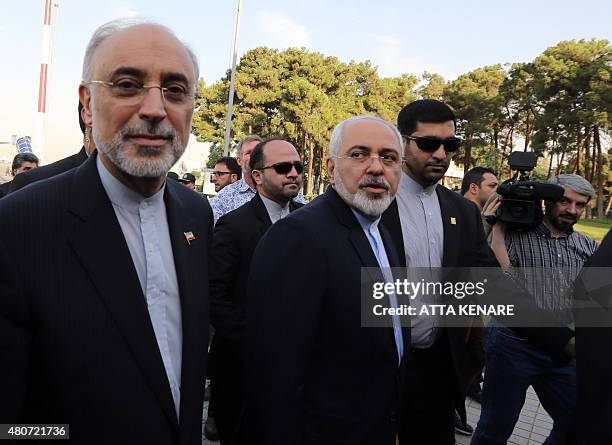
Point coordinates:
pixel 532 428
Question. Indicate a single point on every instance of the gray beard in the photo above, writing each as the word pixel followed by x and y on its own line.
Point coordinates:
pixel 370 205
pixel 147 165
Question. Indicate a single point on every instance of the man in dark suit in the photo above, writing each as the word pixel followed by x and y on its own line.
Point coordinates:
pixel 593 318
pixel 103 316
pixel 315 374
pixel 433 227
pixel 277 174
pixel 61 166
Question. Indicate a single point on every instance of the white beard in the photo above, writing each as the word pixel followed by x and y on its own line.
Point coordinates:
pixel 367 203
pixel 147 163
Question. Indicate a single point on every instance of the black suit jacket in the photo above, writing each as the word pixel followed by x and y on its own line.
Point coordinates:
pixel 594 348
pixel 315 374
pixel 465 245
pixel 77 342
pixel 235 238
pixel 47 171
pixel 5 188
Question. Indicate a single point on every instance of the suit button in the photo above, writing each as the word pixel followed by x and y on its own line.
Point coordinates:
pixel 393 417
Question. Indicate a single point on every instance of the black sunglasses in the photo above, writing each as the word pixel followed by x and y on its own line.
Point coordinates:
pixel 282 168
pixel 431 144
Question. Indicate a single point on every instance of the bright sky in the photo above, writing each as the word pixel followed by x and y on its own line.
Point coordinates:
pixel 444 36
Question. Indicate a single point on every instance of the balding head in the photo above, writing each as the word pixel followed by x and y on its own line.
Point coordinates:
pixel 115 26
pixel 138 98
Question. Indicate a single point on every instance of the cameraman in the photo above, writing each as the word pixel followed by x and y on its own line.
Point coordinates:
pixel 512 363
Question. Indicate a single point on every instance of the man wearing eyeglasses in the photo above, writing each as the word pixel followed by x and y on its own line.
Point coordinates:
pixel 113 329
pixel 226 172
pixel 315 374
pixel 277 174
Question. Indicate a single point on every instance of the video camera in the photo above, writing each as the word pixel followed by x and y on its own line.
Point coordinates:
pixel 521 207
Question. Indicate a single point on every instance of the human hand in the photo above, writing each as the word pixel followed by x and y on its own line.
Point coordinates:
pixel 491 206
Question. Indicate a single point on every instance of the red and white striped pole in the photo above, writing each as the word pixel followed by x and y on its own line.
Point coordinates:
pixel 42 86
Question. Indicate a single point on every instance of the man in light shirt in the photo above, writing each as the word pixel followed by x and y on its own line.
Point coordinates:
pixel 242 191
pixel 113 329
pixel 226 172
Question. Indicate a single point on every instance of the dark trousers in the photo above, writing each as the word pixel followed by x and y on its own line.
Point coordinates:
pixel 428 399
pixel 226 388
pixel 512 365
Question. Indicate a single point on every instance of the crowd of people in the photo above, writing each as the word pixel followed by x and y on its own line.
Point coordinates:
pixel 113 270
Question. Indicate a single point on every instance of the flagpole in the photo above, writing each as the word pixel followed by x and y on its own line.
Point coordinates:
pixel 42 84
pixel 230 102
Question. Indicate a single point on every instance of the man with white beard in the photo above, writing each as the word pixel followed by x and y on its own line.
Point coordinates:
pixel 113 329
pixel 314 372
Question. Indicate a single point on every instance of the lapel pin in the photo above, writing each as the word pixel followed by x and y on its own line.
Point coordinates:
pixel 189 236
pixel 453 221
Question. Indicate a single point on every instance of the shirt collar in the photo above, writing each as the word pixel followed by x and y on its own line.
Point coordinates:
pixel 411 186
pixel 275 210
pixel 123 196
pixel 366 223
pixel 242 186
pixel 543 230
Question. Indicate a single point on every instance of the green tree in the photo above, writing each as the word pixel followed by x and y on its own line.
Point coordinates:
pixel 432 87
pixel 477 103
pixel 215 153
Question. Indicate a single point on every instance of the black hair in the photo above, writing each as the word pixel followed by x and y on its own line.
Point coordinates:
pixel 22 158
pixel 81 123
pixel 257 155
pixel 425 111
pixel 231 164
pixel 474 176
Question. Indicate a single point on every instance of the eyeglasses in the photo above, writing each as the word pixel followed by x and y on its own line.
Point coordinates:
pixel 389 160
pixel 216 173
pixel 282 168
pixel 132 92
pixel 431 144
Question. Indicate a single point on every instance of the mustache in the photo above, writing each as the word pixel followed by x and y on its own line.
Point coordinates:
pixel 567 215
pixel 152 129
pixel 374 181
pixel 437 162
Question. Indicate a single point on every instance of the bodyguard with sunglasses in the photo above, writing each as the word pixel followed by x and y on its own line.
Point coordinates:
pixel 277 174
pixel 434 227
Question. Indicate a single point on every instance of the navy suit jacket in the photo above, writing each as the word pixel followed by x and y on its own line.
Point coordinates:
pixel 315 375
pixel 76 341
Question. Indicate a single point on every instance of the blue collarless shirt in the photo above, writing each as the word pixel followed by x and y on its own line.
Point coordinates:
pixel 144 224
pixel 370 228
